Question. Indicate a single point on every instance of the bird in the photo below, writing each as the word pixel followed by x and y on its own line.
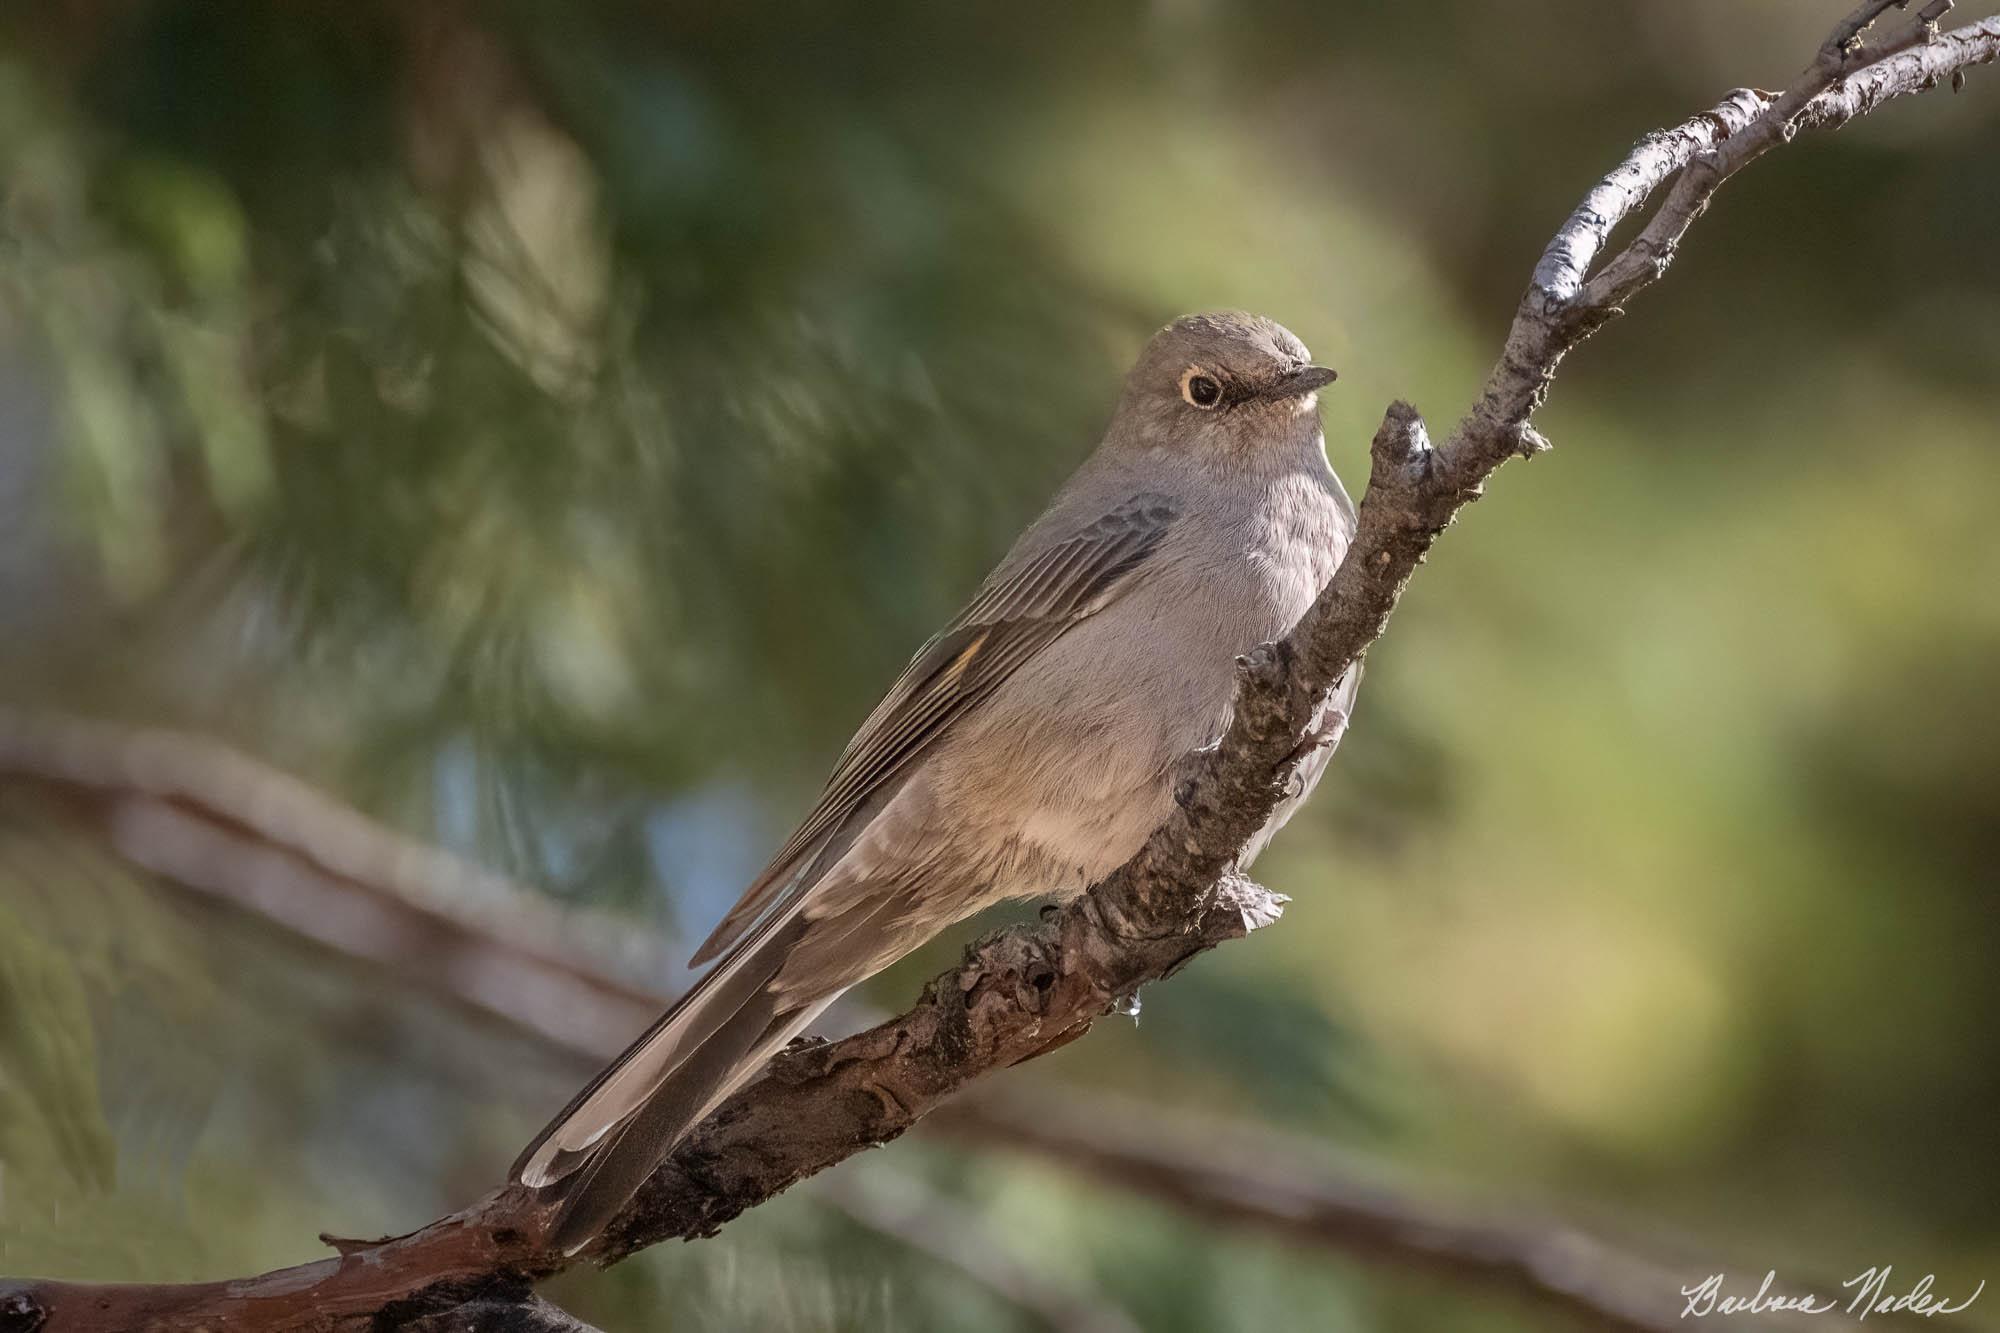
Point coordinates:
pixel 1028 749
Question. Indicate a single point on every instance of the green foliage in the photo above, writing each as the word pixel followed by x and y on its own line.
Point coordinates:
pixel 50 1121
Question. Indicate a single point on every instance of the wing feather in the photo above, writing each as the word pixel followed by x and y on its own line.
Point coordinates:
pixel 1018 612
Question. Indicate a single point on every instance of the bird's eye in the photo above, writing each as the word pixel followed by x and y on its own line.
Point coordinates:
pixel 1200 390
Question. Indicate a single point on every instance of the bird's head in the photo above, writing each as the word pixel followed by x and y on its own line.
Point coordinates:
pixel 1226 381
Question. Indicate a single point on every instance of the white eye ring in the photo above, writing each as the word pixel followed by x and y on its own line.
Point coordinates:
pixel 1200 390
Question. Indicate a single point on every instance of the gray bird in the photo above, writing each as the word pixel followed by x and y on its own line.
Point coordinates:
pixel 1028 749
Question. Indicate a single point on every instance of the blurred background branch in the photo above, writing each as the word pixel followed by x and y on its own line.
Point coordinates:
pixel 217 823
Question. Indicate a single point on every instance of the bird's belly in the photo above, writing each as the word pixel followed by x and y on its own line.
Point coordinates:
pixel 1056 825
pixel 1063 850
pixel 1063 779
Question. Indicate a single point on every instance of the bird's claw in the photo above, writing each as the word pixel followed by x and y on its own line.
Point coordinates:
pixel 1326 733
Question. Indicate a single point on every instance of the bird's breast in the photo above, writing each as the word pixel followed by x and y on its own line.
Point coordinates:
pixel 1070 766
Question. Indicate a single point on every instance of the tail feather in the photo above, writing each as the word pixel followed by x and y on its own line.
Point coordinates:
pixel 597 1152
pixel 614 1168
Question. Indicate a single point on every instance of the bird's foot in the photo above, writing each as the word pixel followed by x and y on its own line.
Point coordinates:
pixel 1327 732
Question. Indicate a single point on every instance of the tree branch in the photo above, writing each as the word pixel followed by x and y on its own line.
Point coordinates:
pixel 1025 992
pixel 1291 1191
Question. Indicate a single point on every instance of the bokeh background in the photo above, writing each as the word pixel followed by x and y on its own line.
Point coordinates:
pixel 547 427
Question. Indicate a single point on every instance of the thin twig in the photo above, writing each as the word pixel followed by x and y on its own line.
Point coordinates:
pixel 1832 90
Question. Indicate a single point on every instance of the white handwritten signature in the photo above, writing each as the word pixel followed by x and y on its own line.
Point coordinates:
pixel 1870 1288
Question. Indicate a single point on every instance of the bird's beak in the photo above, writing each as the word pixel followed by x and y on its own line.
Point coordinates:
pixel 1298 383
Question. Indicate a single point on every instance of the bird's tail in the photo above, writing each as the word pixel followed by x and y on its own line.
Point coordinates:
pixel 600 1149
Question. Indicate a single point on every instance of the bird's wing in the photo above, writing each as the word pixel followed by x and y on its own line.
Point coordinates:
pixel 1018 612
